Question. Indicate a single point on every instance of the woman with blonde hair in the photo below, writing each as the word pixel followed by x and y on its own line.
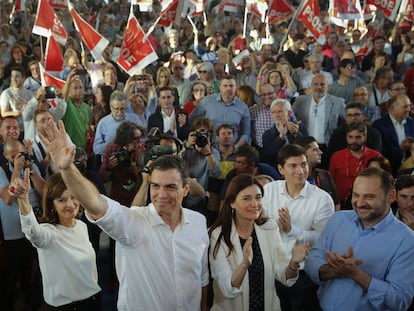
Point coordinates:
pixel 208 76
pixel 246 94
pixel 164 79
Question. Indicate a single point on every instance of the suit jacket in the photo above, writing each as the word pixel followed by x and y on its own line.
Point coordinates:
pixel 391 149
pixel 222 266
pixel 334 112
pixel 155 120
pixel 274 143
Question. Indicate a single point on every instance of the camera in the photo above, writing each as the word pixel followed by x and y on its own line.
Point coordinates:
pixel 153 149
pixel 27 156
pixel 50 92
pixel 123 158
pixel 201 138
pixel 81 72
pixel 140 77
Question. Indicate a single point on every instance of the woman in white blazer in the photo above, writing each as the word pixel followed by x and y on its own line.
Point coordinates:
pixel 244 276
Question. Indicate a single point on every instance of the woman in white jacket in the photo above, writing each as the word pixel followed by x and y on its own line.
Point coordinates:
pixel 246 252
pixel 66 258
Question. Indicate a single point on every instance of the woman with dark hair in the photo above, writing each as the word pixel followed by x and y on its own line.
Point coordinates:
pixel 101 109
pixel 18 58
pixel 66 257
pixel 198 91
pixel 246 252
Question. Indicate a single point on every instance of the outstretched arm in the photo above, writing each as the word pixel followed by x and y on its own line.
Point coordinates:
pixel 62 155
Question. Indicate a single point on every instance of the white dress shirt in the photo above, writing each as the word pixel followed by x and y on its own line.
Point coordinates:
pixel 157 269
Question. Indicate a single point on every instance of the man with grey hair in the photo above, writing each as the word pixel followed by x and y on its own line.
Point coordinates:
pixel 315 65
pixel 106 129
pixel 284 130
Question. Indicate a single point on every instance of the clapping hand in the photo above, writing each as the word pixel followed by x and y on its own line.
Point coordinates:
pixel 248 252
pixel 300 251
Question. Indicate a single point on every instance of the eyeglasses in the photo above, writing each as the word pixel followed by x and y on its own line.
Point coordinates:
pixel 353 115
pixel 305 61
pixel 202 71
pixel 398 89
pixel 266 94
pixel 118 108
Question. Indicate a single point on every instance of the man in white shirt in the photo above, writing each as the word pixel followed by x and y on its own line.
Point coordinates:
pixel 302 211
pixel 161 250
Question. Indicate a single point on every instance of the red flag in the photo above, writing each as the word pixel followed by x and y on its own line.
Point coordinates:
pixel 92 39
pixel 339 10
pixel 48 80
pixel 172 13
pixel 135 53
pixel 53 56
pixel 59 4
pixel 406 9
pixel 389 7
pixel 19 5
pixel 46 20
pixel 279 11
pixel 258 8
pixel 310 16
pixel 227 6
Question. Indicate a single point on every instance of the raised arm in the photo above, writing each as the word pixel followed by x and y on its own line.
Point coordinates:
pixel 62 155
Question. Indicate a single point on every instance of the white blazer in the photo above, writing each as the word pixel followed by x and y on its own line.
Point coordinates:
pixel 222 266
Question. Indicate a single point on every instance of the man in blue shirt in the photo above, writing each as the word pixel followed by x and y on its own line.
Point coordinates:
pixel 363 258
pixel 106 129
pixel 226 108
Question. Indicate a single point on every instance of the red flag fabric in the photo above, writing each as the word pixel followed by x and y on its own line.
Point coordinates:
pixel 135 53
pixel 59 4
pixel 227 6
pixel 258 8
pixel 389 7
pixel 53 56
pixel 339 10
pixel 93 40
pixel 406 9
pixel 279 11
pixel 46 19
pixel 19 5
pixel 310 16
pixel 49 80
pixel 172 13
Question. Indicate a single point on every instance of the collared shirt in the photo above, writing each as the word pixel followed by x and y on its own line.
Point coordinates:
pixel 317 119
pixel 399 128
pixel 158 269
pixel 106 130
pixel 387 252
pixel 167 120
pixel 236 113
pixel 376 98
pixel 261 122
pixel 309 211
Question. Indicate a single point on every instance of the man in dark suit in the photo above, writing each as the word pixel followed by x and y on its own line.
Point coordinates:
pixel 284 131
pixel 320 113
pixel 397 130
pixel 166 118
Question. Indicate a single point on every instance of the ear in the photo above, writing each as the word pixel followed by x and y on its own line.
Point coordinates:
pixel 280 169
pixel 392 196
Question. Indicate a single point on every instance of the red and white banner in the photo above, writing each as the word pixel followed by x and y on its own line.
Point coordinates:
pixel 46 19
pixel 135 53
pixel 53 56
pixel 389 7
pixel 339 10
pixel 310 15
pixel 49 80
pixel 406 9
pixel 59 4
pixel 19 5
pixel 172 13
pixel 279 11
pixel 226 6
pixel 93 40
pixel 258 8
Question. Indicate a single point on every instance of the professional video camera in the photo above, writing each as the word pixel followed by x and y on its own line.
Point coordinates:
pixel 152 149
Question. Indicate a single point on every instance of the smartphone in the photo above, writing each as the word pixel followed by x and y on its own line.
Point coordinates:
pixel 80 72
pixel 50 92
pixel 140 77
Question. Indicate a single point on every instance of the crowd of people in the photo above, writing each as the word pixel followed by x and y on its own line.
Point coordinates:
pixel 256 170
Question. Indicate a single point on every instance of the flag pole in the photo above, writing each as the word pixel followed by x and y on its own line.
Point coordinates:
pixel 290 26
pixel 245 21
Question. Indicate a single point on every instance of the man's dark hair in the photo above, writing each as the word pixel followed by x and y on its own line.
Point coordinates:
pixel 40 111
pixel 305 141
pixel 298 37
pixel 164 88
pixel 379 37
pixel 288 151
pixel 202 122
pixel 345 62
pixel 387 181
pixel 354 105
pixel 125 133
pixel 19 69
pixel 359 126
pixel 248 152
pixel 404 181
pixel 381 72
pixel 168 162
pixel 8 117
pixel 224 126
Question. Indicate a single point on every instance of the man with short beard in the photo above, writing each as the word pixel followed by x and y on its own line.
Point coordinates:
pixel 345 164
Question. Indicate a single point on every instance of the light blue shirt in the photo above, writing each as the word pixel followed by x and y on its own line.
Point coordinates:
pixel 387 251
pixel 236 114
pixel 106 131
